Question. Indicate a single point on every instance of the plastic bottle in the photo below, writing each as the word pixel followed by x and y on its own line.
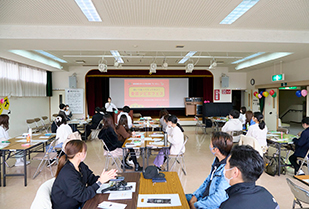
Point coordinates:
pixel 165 139
pixel 28 138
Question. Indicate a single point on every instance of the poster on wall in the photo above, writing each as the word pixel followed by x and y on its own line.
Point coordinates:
pixel 75 99
pixel 226 91
pixel 217 94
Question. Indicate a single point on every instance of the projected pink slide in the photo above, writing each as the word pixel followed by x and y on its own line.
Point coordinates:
pixel 143 93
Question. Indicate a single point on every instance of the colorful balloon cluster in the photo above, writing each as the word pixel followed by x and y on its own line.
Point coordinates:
pixel 300 93
pixel 4 104
pixel 265 94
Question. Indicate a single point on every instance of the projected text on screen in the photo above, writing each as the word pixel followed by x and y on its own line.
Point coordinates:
pixel 140 93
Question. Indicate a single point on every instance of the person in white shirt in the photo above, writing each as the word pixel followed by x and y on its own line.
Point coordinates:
pixel 234 124
pixel 259 129
pixel 125 111
pixel 175 137
pixel 109 106
pixel 63 130
pixel 242 116
pixel 68 113
pixel 4 136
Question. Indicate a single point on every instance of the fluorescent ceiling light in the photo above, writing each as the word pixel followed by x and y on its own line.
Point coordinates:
pixel 249 57
pixel 262 59
pixel 190 54
pixel 37 58
pixel 50 56
pixel 241 9
pixel 117 56
pixel 89 10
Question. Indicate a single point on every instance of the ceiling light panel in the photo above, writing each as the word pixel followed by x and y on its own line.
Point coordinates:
pixel 249 57
pixel 89 10
pixel 117 56
pixel 241 9
pixel 50 56
pixel 190 54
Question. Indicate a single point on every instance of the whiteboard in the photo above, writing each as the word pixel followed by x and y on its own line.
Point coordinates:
pixel 75 99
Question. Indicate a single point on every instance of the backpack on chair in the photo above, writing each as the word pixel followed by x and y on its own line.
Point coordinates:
pixel 272 166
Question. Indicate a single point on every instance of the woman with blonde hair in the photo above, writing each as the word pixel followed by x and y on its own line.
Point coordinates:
pixel 75 183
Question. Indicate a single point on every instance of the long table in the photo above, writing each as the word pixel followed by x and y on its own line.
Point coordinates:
pixel 302 178
pixel 145 186
pixel 18 144
pixel 275 139
pixel 145 146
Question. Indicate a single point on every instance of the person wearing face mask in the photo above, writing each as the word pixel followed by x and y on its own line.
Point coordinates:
pixel 75 183
pixel 243 168
pixel 259 130
pixel 68 113
pixel 212 192
pixel 234 124
pixel 175 137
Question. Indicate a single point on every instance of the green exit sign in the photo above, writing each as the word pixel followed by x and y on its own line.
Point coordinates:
pixel 279 77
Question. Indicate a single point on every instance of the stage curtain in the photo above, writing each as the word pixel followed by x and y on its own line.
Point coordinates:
pixel 208 88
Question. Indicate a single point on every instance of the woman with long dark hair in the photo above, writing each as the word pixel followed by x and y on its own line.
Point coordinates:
pixel 175 137
pixel 259 129
pixel 75 183
pixel 123 133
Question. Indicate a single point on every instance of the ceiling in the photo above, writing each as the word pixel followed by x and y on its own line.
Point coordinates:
pixel 146 31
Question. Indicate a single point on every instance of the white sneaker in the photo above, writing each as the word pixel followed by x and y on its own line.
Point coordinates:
pixel 130 162
pixel 300 172
pixel 20 162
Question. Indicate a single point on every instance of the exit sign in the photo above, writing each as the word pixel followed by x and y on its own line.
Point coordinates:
pixel 279 77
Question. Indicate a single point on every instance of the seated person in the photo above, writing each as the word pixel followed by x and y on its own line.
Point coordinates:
pixel 63 130
pixel 175 137
pixel 243 167
pixel 96 119
pixel 258 130
pixel 123 133
pixel 212 192
pixel 125 111
pixel 68 113
pixel 62 108
pixel 234 124
pixel 163 112
pixel 110 138
pixel 249 121
pixel 75 183
pixel 301 146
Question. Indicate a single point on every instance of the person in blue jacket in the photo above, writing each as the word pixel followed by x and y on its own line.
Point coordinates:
pixel 301 145
pixel 212 192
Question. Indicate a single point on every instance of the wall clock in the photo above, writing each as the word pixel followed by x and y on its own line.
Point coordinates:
pixel 252 81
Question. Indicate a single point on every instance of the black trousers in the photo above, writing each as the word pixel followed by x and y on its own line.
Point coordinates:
pixel 293 160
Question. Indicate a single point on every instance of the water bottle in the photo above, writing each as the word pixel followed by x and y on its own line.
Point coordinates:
pixel 165 139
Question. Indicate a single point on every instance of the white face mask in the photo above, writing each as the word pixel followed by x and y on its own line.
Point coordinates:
pixel 84 157
pixel 227 179
pixel 68 108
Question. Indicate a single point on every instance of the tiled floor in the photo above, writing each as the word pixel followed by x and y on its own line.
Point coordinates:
pixel 198 160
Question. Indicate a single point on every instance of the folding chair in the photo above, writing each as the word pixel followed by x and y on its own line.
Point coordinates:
pixel 32 124
pixel 95 132
pixel 236 135
pixel 300 194
pixel 303 160
pixel 46 123
pixel 110 156
pixel 179 158
pixel 49 154
pixel 248 140
pixel 198 125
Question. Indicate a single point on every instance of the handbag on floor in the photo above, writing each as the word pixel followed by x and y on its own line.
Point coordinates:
pixel 272 166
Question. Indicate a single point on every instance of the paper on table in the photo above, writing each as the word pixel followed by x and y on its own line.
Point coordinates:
pixel 35 134
pixel 44 137
pixel 20 137
pixel 114 205
pixel 147 139
pixel 157 135
pixel 32 141
pixel 157 143
pixel 120 195
pixel 103 186
pixel 175 201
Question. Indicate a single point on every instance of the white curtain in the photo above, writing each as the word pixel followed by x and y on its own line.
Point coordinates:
pixel 21 80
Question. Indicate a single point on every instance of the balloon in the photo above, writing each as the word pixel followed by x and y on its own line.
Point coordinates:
pixel 274 95
pixel 261 92
pixel 260 96
pixel 255 93
pixel 265 94
pixel 271 92
pixel 2 101
pixel 298 93
pixel 257 96
pixel 304 92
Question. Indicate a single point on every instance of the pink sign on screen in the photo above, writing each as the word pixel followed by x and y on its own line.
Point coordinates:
pixel 146 93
